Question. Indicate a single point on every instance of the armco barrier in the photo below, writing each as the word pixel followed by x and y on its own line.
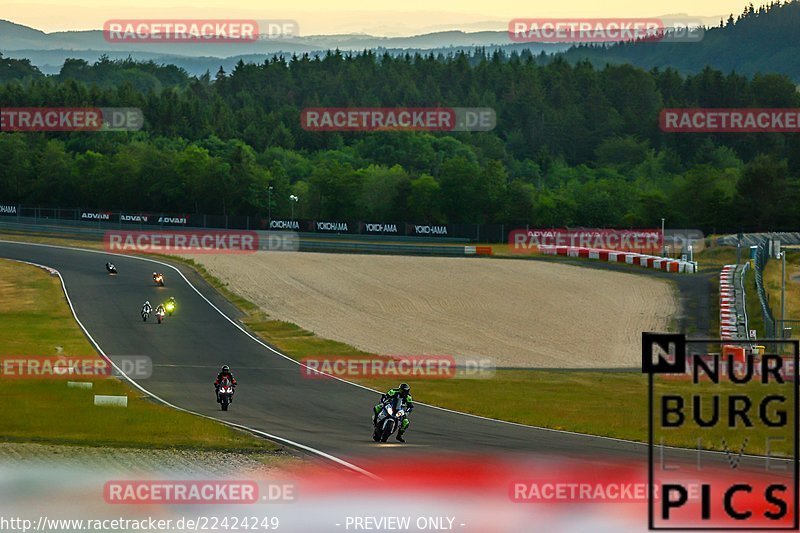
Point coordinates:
pixel 91 225
pixel 732 309
pixel 357 230
pixel 665 264
pixel 306 244
pixel 400 249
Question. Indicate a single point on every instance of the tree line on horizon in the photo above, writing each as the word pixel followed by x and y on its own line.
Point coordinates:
pixel 760 39
pixel 575 145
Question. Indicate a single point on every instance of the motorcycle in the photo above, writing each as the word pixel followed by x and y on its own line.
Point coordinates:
pixel 225 393
pixel 389 419
pixel 111 269
pixel 170 307
pixel 158 279
pixel 160 315
pixel 145 314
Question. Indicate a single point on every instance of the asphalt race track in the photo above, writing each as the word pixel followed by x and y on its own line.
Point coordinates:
pixel 324 414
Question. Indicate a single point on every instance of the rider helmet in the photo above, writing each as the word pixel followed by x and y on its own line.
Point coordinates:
pixel 226 368
pixel 404 389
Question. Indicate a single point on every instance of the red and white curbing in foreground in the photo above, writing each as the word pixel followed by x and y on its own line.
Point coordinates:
pixel 614 256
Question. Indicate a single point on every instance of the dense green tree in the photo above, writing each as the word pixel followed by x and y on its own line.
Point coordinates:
pixel 424 201
pixel 767 194
pixel 574 143
pixel 380 189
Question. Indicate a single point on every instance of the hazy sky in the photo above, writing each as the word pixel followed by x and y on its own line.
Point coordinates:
pixel 344 16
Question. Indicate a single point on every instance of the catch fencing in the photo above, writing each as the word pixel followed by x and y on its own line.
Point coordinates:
pixel 753 239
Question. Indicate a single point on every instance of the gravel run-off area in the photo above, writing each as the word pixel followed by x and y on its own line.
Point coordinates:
pixel 520 313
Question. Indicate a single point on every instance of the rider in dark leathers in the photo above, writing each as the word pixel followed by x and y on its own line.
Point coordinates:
pixel 404 391
pixel 225 372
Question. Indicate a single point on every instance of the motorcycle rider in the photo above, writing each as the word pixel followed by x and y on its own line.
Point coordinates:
pixel 404 392
pixel 225 372
pixel 160 310
pixel 146 308
pixel 110 267
pixel 170 305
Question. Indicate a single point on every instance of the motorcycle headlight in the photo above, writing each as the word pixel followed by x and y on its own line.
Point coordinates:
pixel 400 412
pixel 389 409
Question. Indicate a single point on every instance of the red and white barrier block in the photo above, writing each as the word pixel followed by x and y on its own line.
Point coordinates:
pixel 613 256
pixel 477 250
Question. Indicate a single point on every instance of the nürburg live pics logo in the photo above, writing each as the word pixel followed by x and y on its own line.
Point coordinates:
pixel 723 433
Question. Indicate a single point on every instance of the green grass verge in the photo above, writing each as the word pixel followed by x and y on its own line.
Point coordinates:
pixel 713 258
pixel 755 320
pixel 37 321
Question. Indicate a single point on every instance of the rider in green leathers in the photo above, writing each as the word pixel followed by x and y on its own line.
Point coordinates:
pixel 404 391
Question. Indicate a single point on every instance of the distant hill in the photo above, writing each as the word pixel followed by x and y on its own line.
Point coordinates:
pixel 48 51
pixel 50 62
pixel 15 37
pixel 760 40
